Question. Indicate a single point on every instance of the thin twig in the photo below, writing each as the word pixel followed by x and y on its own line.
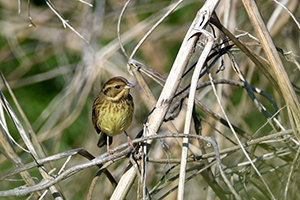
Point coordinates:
pixel 291 173
pixel 84 2
pixel 170 10
pixel 119 28
pixel 64 22
pixel 290 13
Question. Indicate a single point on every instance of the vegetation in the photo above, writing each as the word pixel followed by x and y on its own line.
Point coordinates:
pixel 244 129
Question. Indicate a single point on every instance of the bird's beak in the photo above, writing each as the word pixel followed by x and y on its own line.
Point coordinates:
pixel 128 86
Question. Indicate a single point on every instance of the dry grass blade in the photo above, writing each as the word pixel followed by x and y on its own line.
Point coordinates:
pixel 31 150
pixel 284 83
pixel 169 9
pixel 290 13
pixel 11 153
pixel 192 95
pixel 290 174
pixel 237 138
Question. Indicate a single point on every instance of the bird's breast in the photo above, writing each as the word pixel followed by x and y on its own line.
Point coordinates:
pixel 115 117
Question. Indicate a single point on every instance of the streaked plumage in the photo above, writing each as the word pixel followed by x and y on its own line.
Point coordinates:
pixel 112 110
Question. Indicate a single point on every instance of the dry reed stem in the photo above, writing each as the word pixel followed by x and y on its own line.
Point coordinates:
pixel 276 65
pixel 169 89
pixel 190 105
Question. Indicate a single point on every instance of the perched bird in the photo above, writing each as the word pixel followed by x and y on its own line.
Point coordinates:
pixel 113 110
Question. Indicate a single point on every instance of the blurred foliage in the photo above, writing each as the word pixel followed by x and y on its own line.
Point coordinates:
pixel 49 69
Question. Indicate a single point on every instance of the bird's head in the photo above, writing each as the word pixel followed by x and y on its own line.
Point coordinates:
pixel 116 88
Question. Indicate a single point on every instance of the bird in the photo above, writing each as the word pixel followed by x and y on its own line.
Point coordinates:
pixel 112 111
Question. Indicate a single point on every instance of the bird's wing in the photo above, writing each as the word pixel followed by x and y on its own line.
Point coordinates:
pixel 95 114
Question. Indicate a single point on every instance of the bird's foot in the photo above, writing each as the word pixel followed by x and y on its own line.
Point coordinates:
pixel 109 150
pixel 130 143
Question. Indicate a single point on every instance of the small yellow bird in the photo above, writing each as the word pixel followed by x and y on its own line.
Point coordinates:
pixel 112 111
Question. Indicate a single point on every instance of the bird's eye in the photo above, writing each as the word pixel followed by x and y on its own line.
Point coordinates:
pixel 117 87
